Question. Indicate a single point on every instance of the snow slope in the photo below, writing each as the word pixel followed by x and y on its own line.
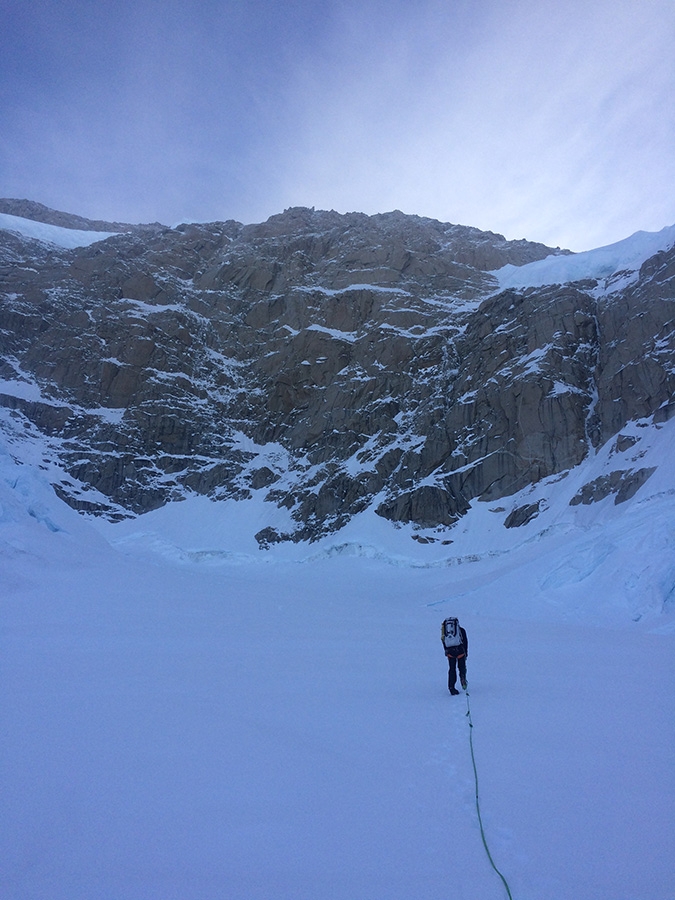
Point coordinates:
pixel 186 718
pixel 603 263
pixel 68 238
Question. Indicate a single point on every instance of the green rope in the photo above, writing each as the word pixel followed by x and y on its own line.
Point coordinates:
pixel 480 818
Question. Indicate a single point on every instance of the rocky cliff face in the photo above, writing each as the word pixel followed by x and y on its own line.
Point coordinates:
pixel 330 361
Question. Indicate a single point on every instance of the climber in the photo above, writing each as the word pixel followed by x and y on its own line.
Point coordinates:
pixel 456 647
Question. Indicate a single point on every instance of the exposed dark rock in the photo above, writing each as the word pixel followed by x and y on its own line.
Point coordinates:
pixel 29 209
pixel 625 442
pixel 262 477
pixel 269 536
pixel 427 506
pixel 373 353
pixel 632 483
pixel 522 515
pixel 623 483
pixel 665 412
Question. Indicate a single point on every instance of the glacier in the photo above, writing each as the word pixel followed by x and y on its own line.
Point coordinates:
pixel 186 718
pixel 606 263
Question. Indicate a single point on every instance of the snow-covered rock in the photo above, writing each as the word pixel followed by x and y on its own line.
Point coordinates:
pixel 374 354
pixel 68 238
pixel 615 265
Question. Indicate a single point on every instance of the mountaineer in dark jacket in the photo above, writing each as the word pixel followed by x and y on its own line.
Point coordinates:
pixel 456 647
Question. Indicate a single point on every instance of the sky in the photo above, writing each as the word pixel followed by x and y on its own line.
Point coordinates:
pixel 549 121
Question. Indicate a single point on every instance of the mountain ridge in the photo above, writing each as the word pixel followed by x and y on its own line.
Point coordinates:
pixel 38 212
pixel 335 362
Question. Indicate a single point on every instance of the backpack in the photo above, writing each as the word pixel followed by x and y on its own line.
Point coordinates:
pixel 450 633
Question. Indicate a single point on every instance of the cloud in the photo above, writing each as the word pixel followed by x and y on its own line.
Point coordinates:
pixel 542 120
pixel 552 122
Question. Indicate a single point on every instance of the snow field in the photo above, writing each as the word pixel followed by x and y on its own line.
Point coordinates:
pixel 68 238
pixel 185 720
pixel 181 732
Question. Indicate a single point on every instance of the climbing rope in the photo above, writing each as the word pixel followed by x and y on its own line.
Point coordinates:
pixel 480 818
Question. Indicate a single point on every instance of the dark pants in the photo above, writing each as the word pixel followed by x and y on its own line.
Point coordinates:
pixel 453 665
